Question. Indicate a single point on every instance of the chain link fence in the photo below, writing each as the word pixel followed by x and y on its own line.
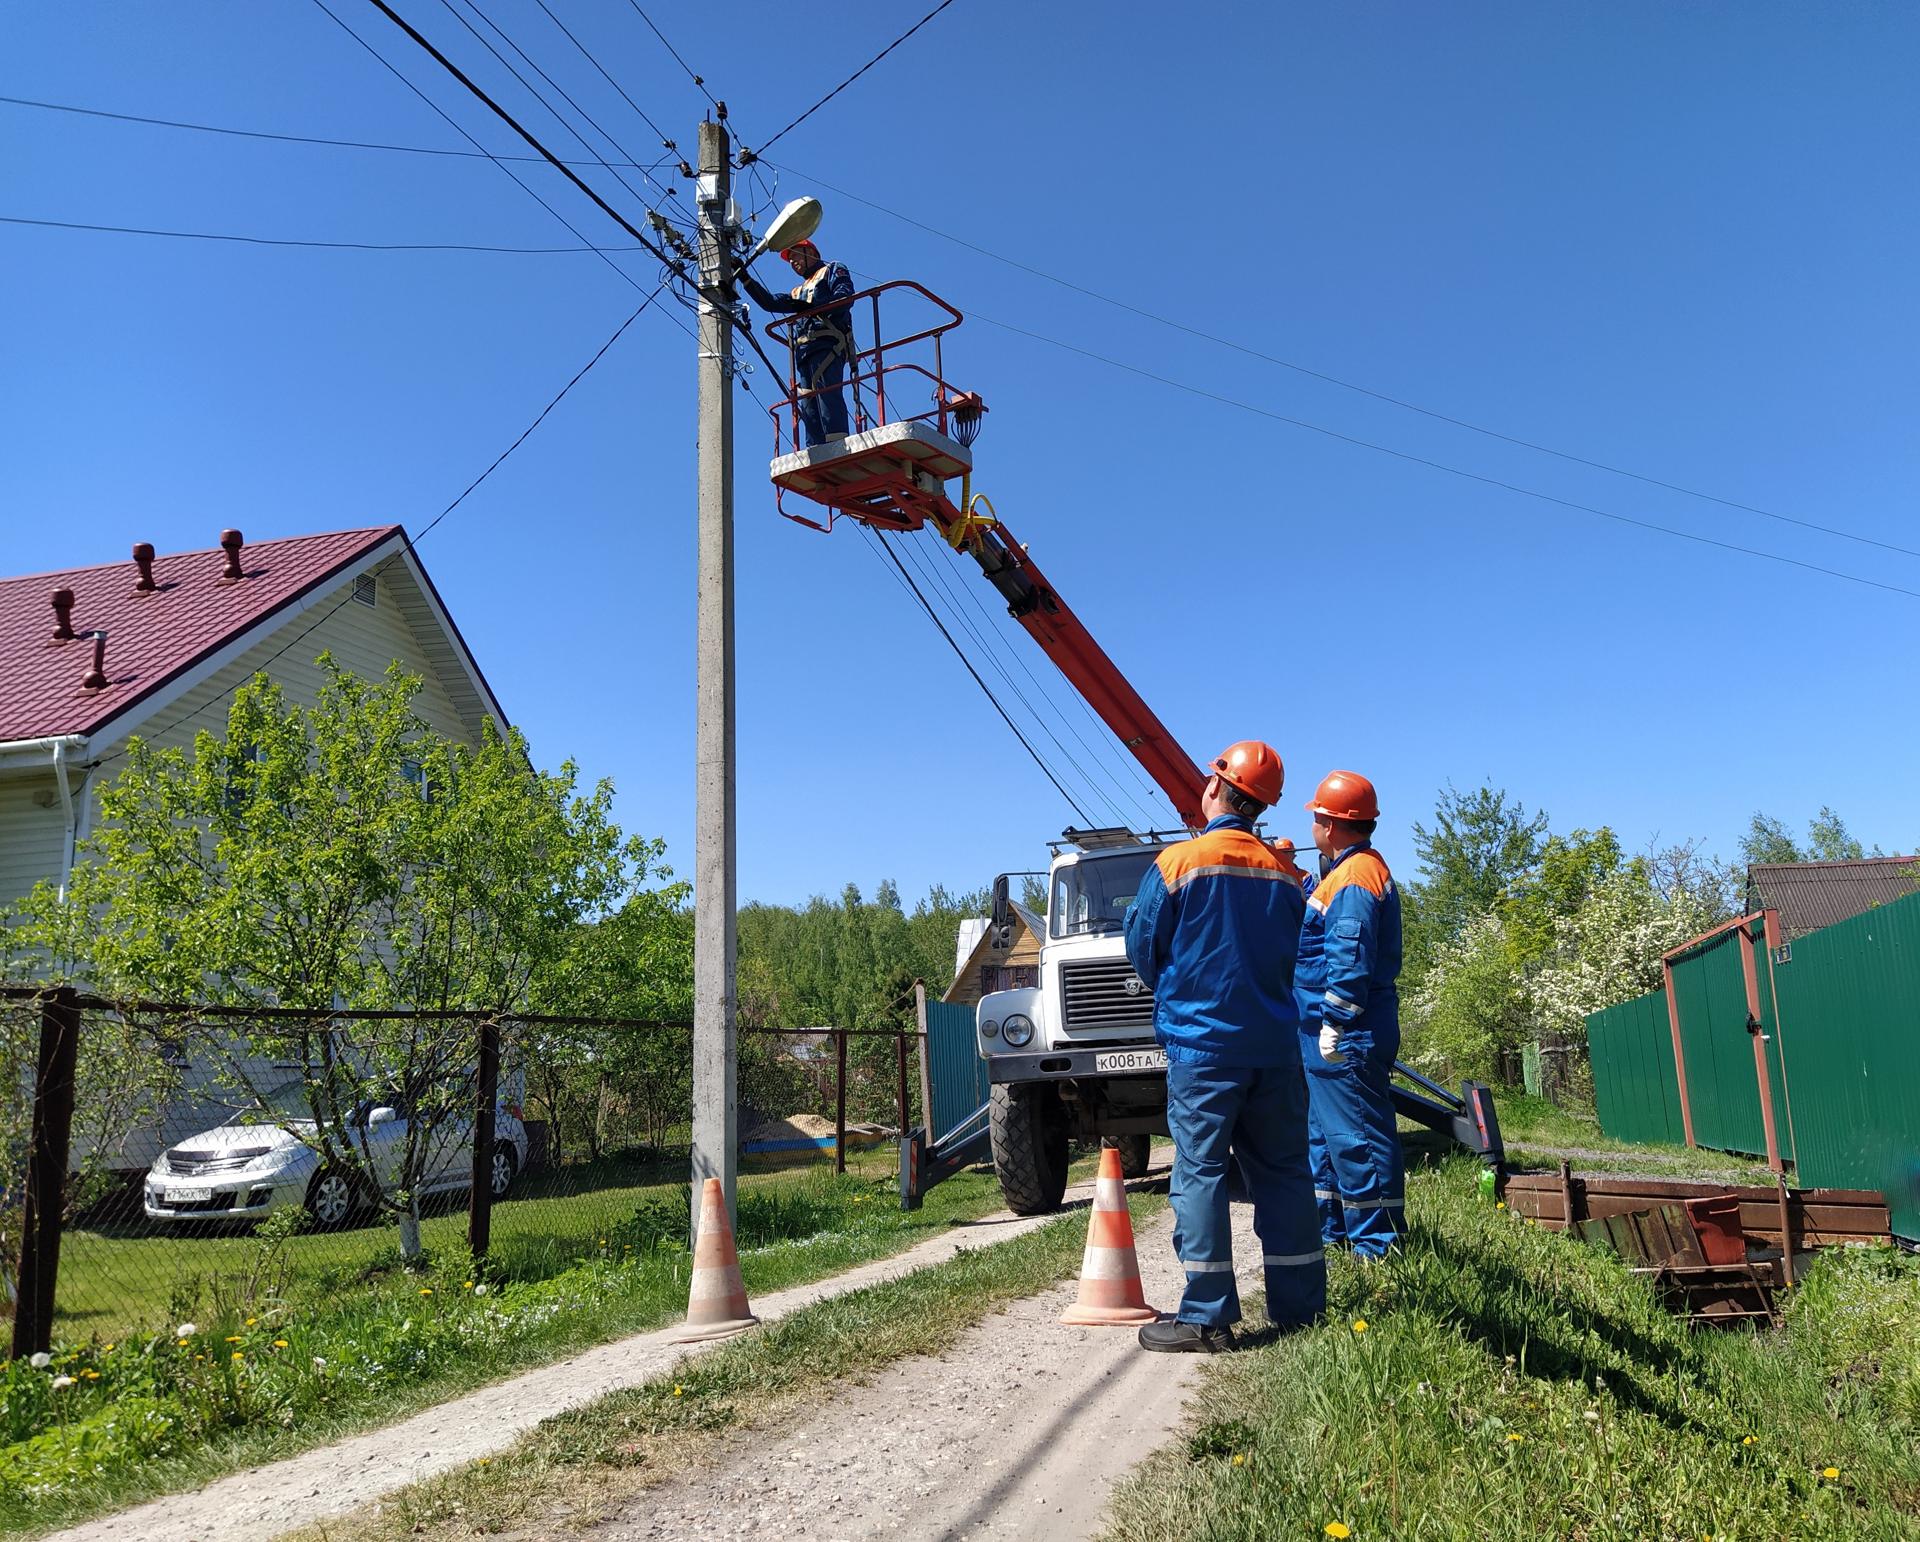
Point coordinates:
pixel 164 1163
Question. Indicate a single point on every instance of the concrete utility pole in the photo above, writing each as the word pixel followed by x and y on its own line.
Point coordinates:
pixel 715 1112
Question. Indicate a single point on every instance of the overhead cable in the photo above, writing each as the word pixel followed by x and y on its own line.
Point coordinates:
pixel 845 83
pixel 352 246
pixel 306 139
pixel 518 180
pixel 696 79
pixel 1435 465
pixel 1350 385
pixel 412 541
pixel 967 664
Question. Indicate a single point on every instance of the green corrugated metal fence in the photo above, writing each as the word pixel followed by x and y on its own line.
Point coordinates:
pixel 1633 1080
pixel 1840 1019
pixel 954 1066
pixel 1850 1013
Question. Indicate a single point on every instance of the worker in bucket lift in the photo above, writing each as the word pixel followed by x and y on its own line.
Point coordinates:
pixel 1213 932
pixel 1346 983
pixel 822 344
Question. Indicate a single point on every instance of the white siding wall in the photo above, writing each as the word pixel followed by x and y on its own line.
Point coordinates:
pixel 31 837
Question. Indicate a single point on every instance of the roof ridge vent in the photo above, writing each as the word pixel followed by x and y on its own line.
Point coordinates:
pixel 96 677
pixel 63 615
pixel 230 542
pixel 143 560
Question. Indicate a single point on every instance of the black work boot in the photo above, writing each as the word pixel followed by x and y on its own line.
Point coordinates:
pixel 1185 1338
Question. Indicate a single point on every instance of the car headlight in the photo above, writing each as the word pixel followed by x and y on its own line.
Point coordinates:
pixel 1017 1030
pixel 989 1029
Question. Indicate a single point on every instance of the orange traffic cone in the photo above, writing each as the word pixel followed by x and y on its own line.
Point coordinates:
pixel 717 1300
pixel 1110 1294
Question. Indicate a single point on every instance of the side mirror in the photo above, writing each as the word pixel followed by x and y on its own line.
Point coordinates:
pixel 1001 919
pixel 381 1115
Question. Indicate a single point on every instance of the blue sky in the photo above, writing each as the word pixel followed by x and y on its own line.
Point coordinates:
pixel 1672 239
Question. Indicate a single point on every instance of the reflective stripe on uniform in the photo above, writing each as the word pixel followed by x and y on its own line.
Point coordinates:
pixel 1219 869
pixel 1371 1204
pixel 1325 1194
pixel 1292 1260
pixel 1335 999
pixel 1206 1266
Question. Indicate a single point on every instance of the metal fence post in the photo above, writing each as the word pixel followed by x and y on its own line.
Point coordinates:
pixel 926 1064
pixel 51 1140
pixel 900 1077
pixel 840 1100
pixel 486 1095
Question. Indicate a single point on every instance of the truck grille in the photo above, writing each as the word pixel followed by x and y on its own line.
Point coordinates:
pixel 1097 997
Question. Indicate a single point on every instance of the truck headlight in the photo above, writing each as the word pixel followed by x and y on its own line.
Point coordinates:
pixel 1017 1030
pixel 989 1029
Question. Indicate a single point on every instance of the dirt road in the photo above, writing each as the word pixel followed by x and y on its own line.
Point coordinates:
pixel 1020 1431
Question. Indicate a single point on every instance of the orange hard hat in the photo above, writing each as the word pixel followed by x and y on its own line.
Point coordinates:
pixel 1345 795
pixel 786 252
pixel 1254 768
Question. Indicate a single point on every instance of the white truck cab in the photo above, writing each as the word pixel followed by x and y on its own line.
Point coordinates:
pixel 1074 1057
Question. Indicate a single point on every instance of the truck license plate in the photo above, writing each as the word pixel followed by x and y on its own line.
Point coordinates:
pixel 180 1196
pixel 1131 1060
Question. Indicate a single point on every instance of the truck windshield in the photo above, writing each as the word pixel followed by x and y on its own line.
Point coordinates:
pixel 1093 894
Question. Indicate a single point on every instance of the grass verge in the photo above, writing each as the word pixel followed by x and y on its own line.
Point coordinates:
pixel 1499 1381
pixel 585 1463
pixel 157 1414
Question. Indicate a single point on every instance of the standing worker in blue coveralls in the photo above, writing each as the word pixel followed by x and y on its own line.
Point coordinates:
pixel 822 344
pixel 1213 933
pixel 1347 985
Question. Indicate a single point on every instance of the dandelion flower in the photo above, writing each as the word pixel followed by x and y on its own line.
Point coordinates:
pixel 1336 1529
pixel 466 1284
pixel 426 1290
pixel 279 1343
pixel 91 1374
pixel 1499 1204
pixel 1359 1325
pixel 186 1330
pixel 234 1338
pixel 251 1321
pixel 1746 1440
pixel 41 1361
pixel 239 1354
pixel 1239 1459
pixel 1515 1435
pixel 106 1349
pixel 482 1461
pixel 480 1290
pixel 677 1391
pixel 1825 1472
pixel 62 1381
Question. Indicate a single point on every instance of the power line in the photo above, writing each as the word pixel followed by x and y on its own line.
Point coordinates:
pixel 448 118
pixel 696 79
pixel 513 123
pixel 666 189
pixel 1435 465
pixel 749 155
pixel 352 246
pixel 666 140
pixel 934 578
pixel 307 139
pixel 967 664
pixel 1354 386
pixel 411 542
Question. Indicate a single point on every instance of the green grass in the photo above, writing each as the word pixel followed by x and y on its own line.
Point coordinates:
pixel 1536 1130
pixel 119 1280
pixel 1512 1383
pixel 156 1420
pixel 584 1463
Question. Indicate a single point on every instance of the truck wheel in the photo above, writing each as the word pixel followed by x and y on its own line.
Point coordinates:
pixel 1029 1131
pixel 1133 1151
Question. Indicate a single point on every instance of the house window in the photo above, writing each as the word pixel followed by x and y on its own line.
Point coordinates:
pixel 415 774
pixel 364 590
pixel 1008 977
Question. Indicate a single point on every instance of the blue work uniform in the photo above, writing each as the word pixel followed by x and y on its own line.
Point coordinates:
pixel 1348 976
pixel 821 344
pixel 1213 932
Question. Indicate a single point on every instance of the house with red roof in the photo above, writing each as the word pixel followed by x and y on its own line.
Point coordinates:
pixel 155 646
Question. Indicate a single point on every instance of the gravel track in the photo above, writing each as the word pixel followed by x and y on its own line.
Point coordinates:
pixel 1020 1431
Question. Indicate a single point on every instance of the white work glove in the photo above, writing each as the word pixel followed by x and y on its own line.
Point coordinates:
pixel 1330 1044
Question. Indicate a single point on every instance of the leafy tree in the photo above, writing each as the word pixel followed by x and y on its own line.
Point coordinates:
pixel 1608 949
pixel 1828 840
pixel 1569 868
pixel 1768 840
pixel 1469 1014
pixel 340 857
pixel 1481 844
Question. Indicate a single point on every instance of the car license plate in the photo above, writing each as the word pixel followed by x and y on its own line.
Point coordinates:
pixel 1131 1060
pixel 181 1196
